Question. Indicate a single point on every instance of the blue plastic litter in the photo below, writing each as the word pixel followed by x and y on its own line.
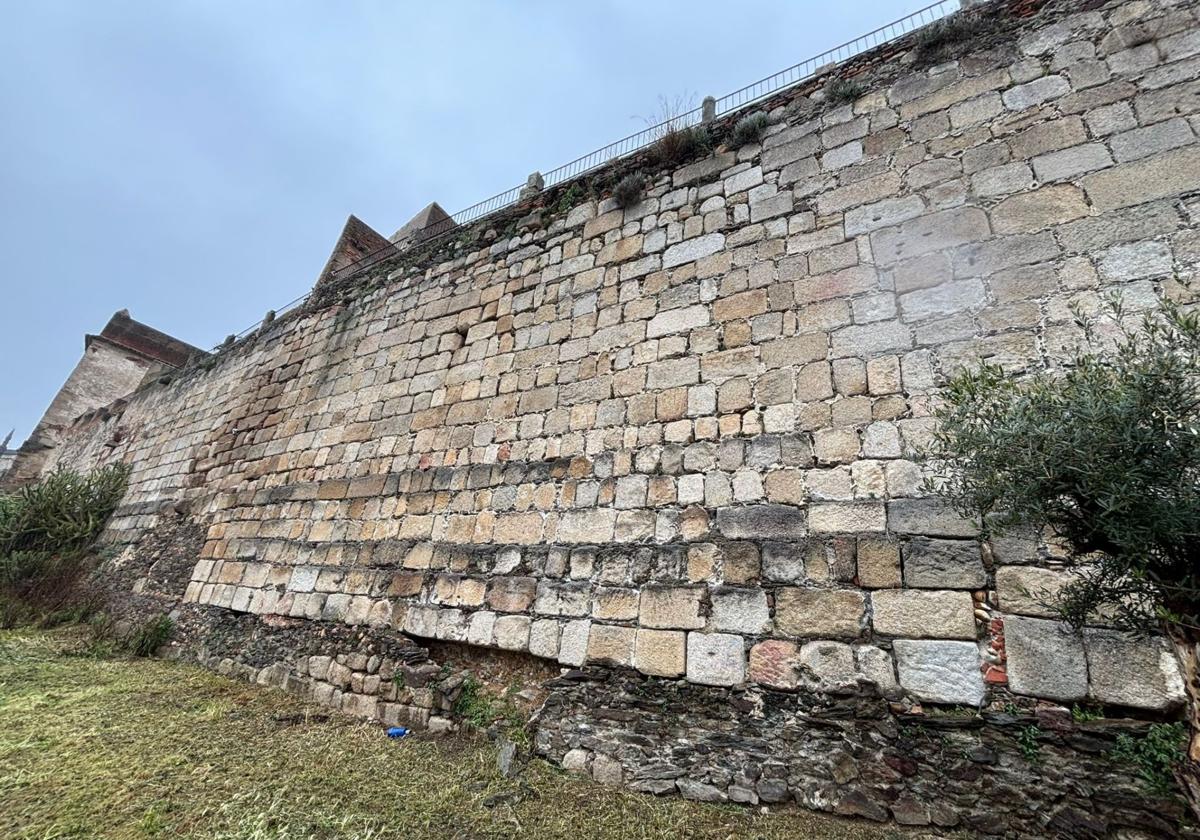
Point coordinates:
pixel 396 732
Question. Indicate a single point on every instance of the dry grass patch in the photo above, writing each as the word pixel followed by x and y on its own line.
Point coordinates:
pixel 119 748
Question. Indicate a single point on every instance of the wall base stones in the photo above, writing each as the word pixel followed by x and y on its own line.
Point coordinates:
pixel 367 673
pixel 1029 773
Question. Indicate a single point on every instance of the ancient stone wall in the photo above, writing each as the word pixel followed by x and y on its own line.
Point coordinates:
pixel 682 437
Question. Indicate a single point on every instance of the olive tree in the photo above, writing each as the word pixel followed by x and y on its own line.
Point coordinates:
pixel 1103 453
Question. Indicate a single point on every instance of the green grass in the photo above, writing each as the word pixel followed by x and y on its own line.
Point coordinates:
pixel 95 747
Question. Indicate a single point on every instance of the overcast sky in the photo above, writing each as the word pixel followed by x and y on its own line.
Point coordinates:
pixel 194 161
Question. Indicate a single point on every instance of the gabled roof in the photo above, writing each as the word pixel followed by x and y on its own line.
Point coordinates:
pixel 358 240
pixel 432 220
pixel 146 341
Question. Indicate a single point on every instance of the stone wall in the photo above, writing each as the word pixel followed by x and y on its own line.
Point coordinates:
pixel 115 363
pixel 682 438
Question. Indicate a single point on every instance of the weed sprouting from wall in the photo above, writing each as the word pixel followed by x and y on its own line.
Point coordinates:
pixel 675 142
pixel 940 40
pixel 841 91
pixel 751 128
pixel 630 190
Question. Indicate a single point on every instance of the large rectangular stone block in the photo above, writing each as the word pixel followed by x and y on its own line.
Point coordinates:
pixel 1160 176
pixel 1045 659
pixel 820 613
pixel 715 659
pixel 940 672
pixel 1138 672
pixel 671 608
pixel 923 614
pixel 769 522
pixel 660 653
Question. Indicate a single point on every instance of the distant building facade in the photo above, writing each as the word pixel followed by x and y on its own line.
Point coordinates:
pixel 115 363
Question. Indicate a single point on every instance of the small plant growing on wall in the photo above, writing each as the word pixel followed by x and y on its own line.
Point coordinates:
pixel 751 128
pixel 941 40
pixel 841 91
pixel 675 142
pixel 1156 756
pixel 629 190
pixel 1104 454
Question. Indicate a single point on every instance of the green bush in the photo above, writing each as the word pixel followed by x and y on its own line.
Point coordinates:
pixel 749 129
pixel 46 530
pixel 1155 756
pixel 1105 454
pixel 150 636
pixel 940 40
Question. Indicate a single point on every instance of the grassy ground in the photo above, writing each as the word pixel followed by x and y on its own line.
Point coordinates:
pixel 118 748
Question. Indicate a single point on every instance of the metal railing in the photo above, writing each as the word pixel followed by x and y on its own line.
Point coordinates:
pixel 741 98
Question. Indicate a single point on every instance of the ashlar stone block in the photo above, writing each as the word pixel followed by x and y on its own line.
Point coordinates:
pixel 1139 672
pixel 715 659
pixel 820 613
pixel 1045 659
pixel 923 614
pixel 610 643
pixel 671 608
pixel 740 611
pixel 660 653
pixel 939 671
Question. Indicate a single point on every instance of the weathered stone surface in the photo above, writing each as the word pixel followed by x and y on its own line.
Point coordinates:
pixel 829 665
pixel 1045 659
pixel 932 232
pixel 610 643
pixel 878 563
pixel 940 672
pixel 943 564
pixel 740 611
pixel 923 614
pixel 587 526
pixel 847 517
pixel 573 645
pixel 820 613
pixel 1132 671
pixel 930 517
pixel 693 249
pixel 660 653
pixel 775 663
pixel 512 632
pixel 1159 176
pixel 511 594
pixel 1030 590
pixel 677 320
pixel 715 659
pixel 773 522
pixel 1039 209
pixel 672 608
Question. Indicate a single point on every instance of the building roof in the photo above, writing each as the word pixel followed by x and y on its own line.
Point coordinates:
pixel 129 334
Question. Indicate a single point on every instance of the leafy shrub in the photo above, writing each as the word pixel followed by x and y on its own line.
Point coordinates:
pixel 1105 454
pixel 841 91
pixel 1155 756
pixel 45 531
pixel 482 710
pixel 749 129
pixel 629 190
